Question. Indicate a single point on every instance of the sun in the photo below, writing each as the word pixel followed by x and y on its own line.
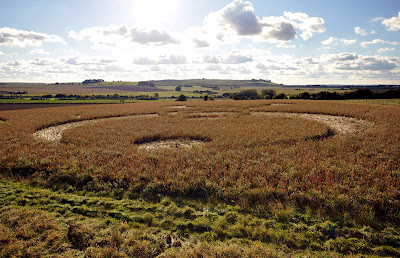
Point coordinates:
pixel 155 12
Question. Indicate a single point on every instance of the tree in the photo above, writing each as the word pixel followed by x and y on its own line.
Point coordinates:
pixel 305 95
pixel 156 95
pixel 205 97
pixel 280 96
pixel 268 94
pixel 182 98
pixel 115 96
pixel 178 88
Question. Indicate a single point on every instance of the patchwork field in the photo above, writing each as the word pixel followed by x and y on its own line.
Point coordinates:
pixel 207 179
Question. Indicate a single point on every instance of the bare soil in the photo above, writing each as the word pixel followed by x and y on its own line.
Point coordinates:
pixel 176 143
pixel 54 133
pixel 339 124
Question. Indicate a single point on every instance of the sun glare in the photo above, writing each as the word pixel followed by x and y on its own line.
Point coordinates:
pixel 155 12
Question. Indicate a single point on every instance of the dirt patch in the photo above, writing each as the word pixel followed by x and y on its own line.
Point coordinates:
pixel 339 124
pixel 54 133
pixel 208 115
pixel 279 104
pixel 177 107
pixel 171 144
pixel 213 113
pixel 173 113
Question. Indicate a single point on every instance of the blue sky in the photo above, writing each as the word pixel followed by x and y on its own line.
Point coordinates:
pixel 287 41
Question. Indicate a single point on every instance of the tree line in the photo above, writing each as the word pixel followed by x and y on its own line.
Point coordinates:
pixel 324 95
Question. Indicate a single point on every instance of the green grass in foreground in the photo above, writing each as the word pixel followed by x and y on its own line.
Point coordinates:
pixel 78 223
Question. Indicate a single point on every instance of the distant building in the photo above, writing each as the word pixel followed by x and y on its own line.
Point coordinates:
pixel 92 81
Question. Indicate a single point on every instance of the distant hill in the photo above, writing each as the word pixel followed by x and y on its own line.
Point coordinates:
pixel 210 83
pixel 98 86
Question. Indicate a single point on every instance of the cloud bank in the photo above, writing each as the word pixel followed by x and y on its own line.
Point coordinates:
pixel 19 38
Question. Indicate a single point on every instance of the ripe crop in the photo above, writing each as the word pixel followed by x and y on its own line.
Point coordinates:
pixel 285 167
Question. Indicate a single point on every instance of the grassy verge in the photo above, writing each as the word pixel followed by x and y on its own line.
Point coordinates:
pixel 83 223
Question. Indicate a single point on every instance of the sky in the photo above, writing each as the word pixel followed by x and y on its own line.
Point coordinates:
pixel 286 41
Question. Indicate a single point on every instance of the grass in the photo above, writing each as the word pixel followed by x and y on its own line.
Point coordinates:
pixel 258 186
pixel 73 221
pixel 165 88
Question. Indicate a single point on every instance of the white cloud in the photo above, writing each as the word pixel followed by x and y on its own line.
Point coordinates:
pixel 362 63
pixel 18 38
pixel 376 19
pixel 239 19
pixel 236 58
pixel 333 40
pixel 363 32
pixel 38 51
pixel 340 57
pixel 378 65
pixel 200 43
pixel 379 41
pixel 261 66
pixel 1 53
pixel 212 59
pixel 213 68
pixel 114 35
pixel 285 45
pixel 329 41
pixel 282 31
pixel 86 61
pixel 308 25
pixel 173 59
pixel 41 62
pixel 144 61
pixel 310 60
pixel 15 63
pixel 155 37
pixel 170 60
pixel 392 24
pixel 104 68
pixel 155 68
pixel 383 50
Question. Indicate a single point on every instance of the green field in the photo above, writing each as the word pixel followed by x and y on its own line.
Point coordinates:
pixel 165 89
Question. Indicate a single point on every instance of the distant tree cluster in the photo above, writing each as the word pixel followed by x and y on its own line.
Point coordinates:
pixel 13 95
pixel 181 98
pixel 205 91
pixel 95 97
pixel 253 94
pixel 357 94
pixel 92 81
pixel 148 84
pixel 324 95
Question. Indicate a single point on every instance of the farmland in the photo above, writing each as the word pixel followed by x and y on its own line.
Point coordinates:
pixel 221 178
pixel 132 92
